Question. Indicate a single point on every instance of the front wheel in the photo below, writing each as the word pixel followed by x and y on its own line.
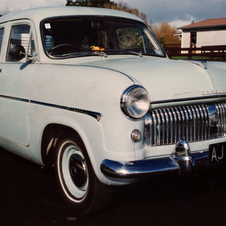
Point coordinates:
pixel 77 181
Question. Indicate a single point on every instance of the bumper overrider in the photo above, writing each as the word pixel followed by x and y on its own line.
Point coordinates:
pixel 180 162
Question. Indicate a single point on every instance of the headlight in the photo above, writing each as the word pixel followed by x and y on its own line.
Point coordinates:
pixel 135 102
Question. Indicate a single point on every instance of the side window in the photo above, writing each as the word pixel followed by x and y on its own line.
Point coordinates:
pixel 1 37
pixel 21 38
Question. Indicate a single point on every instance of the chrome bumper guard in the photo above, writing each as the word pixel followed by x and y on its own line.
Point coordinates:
pixel 180 162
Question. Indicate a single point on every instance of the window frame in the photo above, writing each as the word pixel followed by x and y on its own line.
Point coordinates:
pixel 45 22
pixel 31 34
pixel 2 49
pixel 1 40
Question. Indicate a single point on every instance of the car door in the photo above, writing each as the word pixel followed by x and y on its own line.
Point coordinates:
pixel 15 79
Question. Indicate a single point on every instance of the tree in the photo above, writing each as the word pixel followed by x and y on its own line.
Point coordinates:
pixel 165 33
pixel 108 4
pixel 124 7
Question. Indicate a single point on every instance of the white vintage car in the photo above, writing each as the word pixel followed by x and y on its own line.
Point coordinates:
pixel 91 92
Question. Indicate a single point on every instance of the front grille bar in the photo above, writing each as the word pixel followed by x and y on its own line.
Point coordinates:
pixel 191 122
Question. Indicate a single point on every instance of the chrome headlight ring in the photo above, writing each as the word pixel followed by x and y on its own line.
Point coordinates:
pixel 135 102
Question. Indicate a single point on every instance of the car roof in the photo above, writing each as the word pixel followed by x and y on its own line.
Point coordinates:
pixel 38 14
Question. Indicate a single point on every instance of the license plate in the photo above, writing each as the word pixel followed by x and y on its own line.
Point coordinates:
pixel 217 152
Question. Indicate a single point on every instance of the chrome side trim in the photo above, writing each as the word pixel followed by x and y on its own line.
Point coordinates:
pixel 14 98
pixel 96 115
pixel 93 114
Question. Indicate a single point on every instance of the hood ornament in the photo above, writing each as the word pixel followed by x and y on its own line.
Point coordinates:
pixel 202 64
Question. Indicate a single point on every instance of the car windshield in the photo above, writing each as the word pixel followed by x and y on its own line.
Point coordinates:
pixel 66 37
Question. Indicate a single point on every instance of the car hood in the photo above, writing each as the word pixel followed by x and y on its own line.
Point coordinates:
pixel 167 79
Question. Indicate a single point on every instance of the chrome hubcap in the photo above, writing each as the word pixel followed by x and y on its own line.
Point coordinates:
pixel 74 173
pixel 78 170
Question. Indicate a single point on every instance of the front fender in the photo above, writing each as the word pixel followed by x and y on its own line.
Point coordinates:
pixel 54 93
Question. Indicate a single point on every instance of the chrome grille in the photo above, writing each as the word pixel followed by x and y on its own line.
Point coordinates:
pixel 191 122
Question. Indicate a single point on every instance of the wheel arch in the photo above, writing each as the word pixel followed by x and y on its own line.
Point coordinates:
pixel 50 136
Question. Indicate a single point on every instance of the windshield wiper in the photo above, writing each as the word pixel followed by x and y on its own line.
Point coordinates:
pixel 103 53
pixel 78 54
pixel 134 53
pixel 139 54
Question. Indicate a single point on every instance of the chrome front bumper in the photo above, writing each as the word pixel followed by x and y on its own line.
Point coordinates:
pixel 180 162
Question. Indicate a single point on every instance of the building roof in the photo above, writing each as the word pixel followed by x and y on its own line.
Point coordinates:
pixel 219 22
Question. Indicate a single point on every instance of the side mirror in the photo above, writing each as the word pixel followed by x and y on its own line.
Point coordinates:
pixel 17 52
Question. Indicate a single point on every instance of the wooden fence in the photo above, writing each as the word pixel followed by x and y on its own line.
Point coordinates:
pixel 209 53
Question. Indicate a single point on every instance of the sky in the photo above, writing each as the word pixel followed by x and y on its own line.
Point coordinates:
pixel 176 12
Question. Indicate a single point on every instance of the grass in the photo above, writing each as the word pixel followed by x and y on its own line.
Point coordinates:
pixel 194 58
